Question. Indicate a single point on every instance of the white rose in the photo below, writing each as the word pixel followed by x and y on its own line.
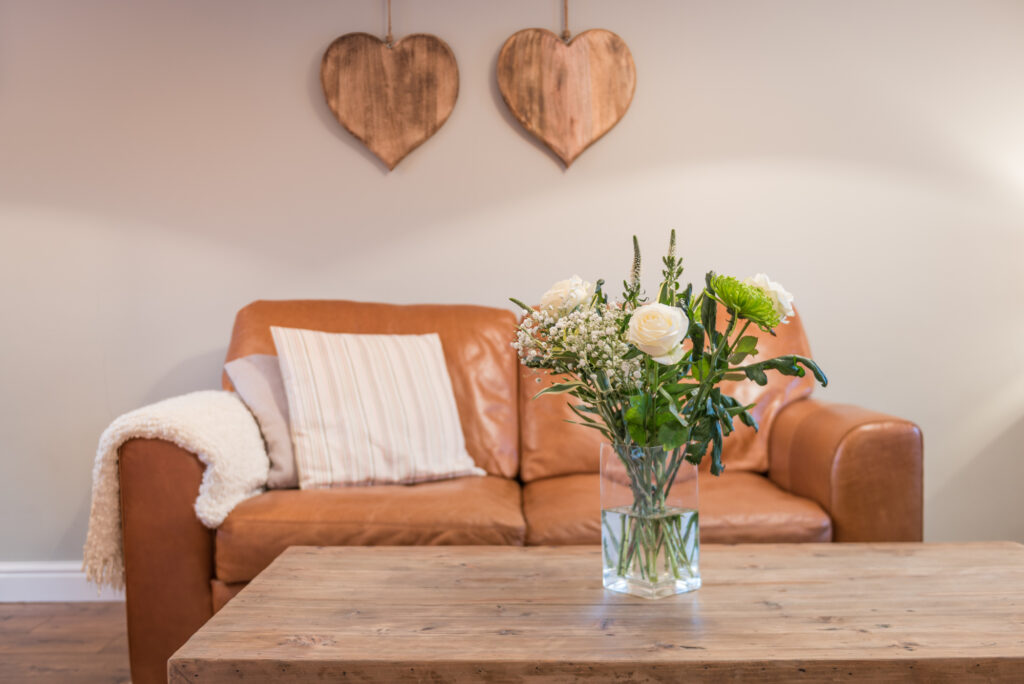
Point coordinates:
pixel 658 330
pixel 780 297
pixel 566 295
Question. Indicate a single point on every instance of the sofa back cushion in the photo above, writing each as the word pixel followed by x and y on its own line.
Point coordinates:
pixel 370 409
pixel 476 343
pixel 551 446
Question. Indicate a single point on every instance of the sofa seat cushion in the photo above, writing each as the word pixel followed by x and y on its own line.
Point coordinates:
pixel 222 592
pixel 734 507
pixel 469 510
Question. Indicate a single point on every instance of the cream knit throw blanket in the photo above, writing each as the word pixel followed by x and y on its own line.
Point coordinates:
pixel 212 424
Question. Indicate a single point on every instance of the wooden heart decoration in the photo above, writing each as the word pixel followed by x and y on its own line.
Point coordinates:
pixel 392 98
pixel 567 95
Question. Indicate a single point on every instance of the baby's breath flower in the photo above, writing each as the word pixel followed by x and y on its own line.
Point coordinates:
pixel 579 343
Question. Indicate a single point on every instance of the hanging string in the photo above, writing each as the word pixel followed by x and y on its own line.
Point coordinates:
pixel 565 15
pixel 389 38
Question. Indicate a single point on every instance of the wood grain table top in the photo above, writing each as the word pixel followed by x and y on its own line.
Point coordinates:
pixel 772 612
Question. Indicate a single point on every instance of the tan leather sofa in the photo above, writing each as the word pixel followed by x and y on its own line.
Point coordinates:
pixel 815 472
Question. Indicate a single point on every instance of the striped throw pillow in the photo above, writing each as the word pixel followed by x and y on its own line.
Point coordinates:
pixel 370 409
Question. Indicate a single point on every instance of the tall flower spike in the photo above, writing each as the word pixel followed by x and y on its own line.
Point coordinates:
pixel 672 245
pixel 634 276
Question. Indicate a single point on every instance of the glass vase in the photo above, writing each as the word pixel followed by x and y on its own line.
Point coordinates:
pixel 649 529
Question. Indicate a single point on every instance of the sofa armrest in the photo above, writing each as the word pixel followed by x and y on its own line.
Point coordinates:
pixel 864 468
pixel 168 553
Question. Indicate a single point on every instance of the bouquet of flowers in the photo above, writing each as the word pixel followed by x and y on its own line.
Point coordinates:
pixel 647 375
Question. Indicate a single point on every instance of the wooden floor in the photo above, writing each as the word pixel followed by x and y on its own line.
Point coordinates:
pixel 63 642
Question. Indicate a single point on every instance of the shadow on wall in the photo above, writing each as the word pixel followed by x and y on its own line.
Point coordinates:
pixel 74 534
pixel 201 372
pixel 984 491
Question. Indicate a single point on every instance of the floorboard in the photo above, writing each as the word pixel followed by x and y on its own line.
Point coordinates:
pixel 77 643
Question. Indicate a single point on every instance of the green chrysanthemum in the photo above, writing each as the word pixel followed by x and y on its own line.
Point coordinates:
pixel 746 300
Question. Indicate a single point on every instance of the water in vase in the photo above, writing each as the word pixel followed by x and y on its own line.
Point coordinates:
pixel 650 555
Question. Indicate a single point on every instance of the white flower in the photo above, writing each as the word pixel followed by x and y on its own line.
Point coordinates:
pixel 780 297
pixel 566 295
pixel 658 330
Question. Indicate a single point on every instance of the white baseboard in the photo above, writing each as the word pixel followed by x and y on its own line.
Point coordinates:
pixel 49 581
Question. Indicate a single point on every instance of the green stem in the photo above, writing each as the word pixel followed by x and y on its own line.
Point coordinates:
pixel 673 549
pixel 647 530
pixel 736 342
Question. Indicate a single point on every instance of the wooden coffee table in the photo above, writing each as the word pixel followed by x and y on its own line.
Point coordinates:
pixel 799 612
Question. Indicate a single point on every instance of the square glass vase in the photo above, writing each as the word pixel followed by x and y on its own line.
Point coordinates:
pixel 650 537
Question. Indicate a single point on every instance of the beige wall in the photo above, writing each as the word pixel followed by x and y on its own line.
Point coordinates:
pixel 163 163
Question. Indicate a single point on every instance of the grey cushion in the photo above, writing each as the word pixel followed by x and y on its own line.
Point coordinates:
pixel 257 379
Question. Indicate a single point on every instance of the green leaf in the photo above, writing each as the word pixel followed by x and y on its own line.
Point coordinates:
pixel 725 419
pixel 638 434
pixel 680 389
pixel 524 307
pixel 736 409
pixel 663 418
pixel 716 450
pixel 578 409
pixel 559 388
pixel 639 407
pixel 786 365
pixel 819 375
pixel 756 374
pixel 747 345
pixel 604 431
pixel 700 369
pixel 673 435
pixel 675 413
pixel 734 376
pixel 632 353
pixel 695 451
pixel 667 374
pixel 696 335
pixel 708 312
